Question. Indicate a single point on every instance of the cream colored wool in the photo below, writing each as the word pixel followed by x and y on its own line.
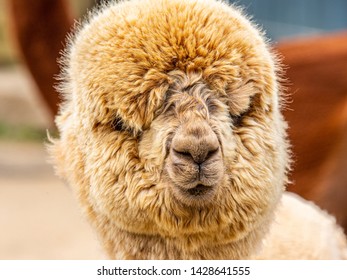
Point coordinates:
pixel 172 138
pixel 303 231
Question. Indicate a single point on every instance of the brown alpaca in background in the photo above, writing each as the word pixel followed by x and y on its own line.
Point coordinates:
pixel 317 119
pixel 40 27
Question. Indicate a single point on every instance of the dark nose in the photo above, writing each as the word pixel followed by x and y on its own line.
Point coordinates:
pixel 196 142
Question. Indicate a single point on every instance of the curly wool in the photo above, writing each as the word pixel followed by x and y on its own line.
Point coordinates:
pixel 134 75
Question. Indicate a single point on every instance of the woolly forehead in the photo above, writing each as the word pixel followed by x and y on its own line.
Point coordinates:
pixel 119 64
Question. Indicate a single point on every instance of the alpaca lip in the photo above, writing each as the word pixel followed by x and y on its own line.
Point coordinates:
pixel 199 193
pixel 199 190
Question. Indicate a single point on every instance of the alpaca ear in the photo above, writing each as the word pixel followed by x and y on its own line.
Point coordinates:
pixel 240 98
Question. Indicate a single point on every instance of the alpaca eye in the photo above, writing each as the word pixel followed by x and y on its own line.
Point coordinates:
pixel 237 119
pixel 118 124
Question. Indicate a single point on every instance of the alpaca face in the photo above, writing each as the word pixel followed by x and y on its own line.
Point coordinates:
pixel 172 130
pixel 194 162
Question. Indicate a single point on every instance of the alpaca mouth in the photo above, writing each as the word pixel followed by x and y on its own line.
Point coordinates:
pixel 199 190
pixel 198 195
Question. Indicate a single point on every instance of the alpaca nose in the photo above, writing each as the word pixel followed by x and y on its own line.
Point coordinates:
pixel 198 151
pixel 196 143
pixel 194 164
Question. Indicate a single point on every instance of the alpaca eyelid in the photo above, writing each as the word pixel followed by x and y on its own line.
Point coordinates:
pixel 118 124
pixel 237 119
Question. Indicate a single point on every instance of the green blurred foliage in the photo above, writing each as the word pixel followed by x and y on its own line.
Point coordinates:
pixel 21 133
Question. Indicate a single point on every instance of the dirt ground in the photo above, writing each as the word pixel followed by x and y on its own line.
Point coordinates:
pixel 39 215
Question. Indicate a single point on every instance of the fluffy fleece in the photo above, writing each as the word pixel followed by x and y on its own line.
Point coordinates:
pixel 147 86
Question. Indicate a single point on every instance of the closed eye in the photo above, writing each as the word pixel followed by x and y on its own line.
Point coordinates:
pixel 237 119
pixel 118 124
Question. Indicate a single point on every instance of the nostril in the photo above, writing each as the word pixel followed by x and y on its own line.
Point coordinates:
pixel 199 156
pixel 211 153
pixel 188 147
pixel 183 153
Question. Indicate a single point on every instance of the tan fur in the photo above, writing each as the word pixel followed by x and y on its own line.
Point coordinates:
pixel 171 131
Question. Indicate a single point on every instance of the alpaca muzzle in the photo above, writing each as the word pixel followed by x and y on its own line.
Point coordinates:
pixel 195 164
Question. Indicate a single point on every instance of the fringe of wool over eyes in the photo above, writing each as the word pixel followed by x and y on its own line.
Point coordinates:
pixel 172 138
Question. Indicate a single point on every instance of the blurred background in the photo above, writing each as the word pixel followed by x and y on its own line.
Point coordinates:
pixel 39 216
pixel 297 18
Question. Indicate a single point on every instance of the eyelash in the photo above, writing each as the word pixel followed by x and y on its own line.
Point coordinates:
pixel 237 119
pixel 118 124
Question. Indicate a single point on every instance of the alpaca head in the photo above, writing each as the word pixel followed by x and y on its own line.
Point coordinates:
pixel 171 123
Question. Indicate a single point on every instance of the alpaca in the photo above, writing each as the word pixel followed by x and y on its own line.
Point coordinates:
pixel 172 137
